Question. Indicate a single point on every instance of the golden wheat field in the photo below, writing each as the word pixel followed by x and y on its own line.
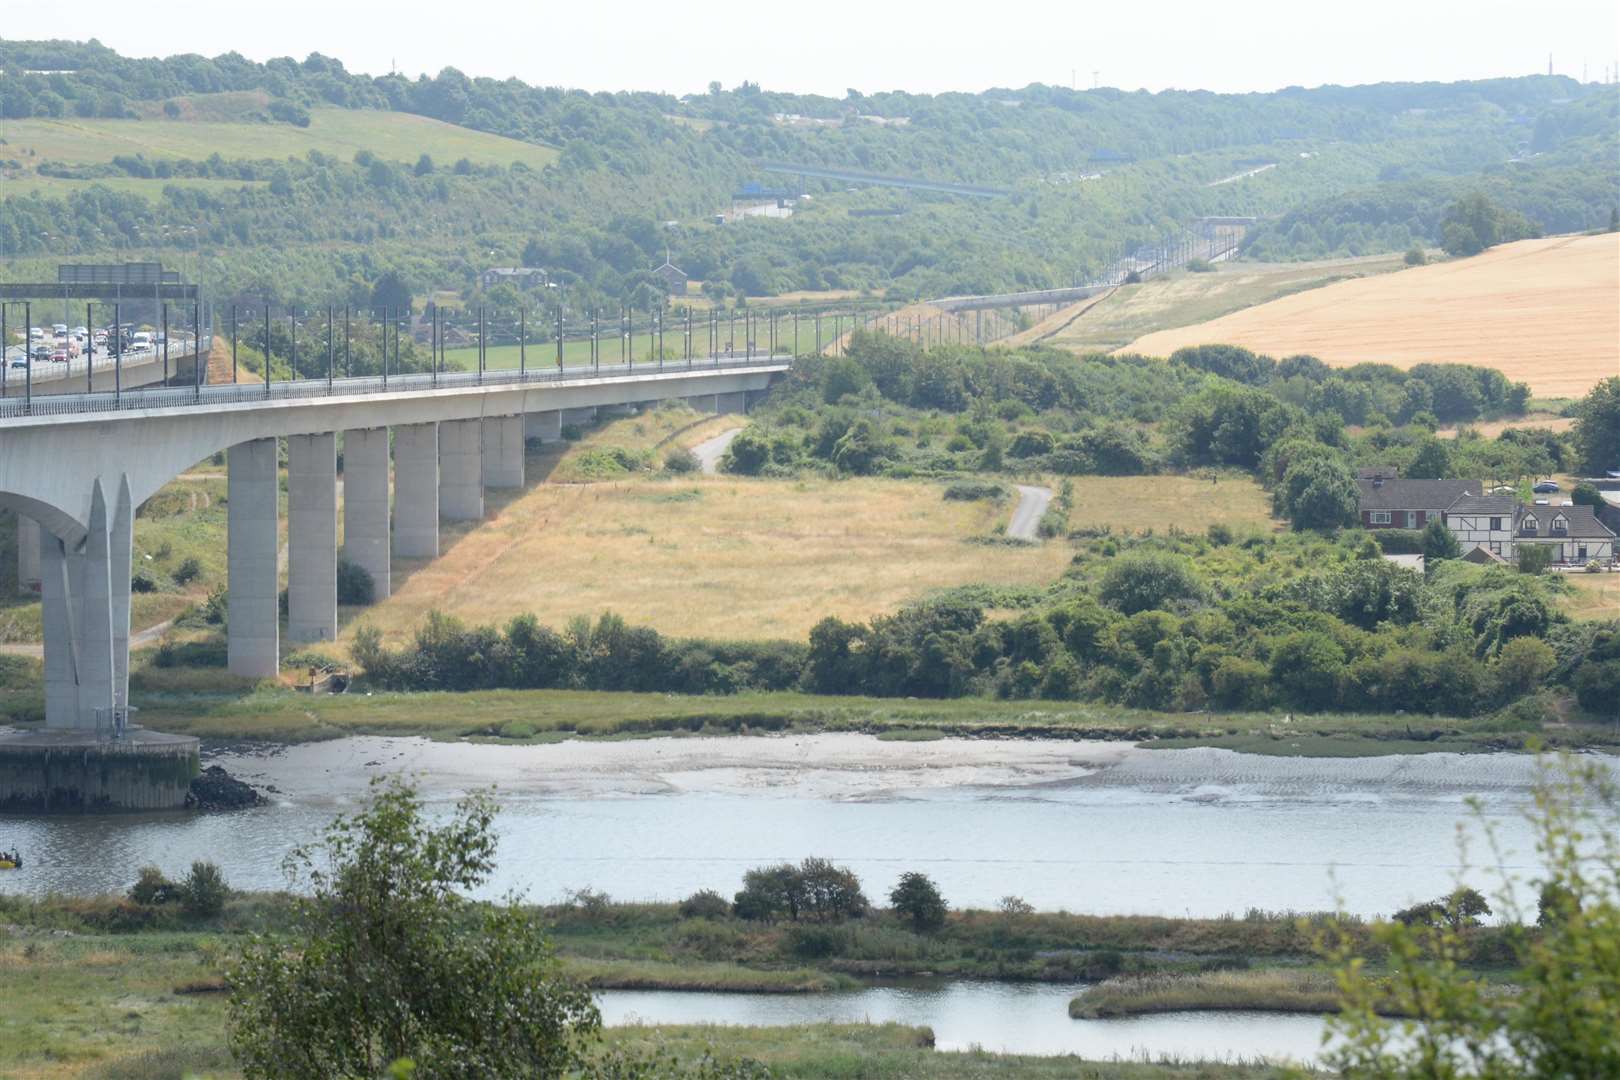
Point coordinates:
pixel 1545 312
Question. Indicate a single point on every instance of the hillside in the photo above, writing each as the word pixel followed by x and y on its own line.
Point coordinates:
pixel 1545 312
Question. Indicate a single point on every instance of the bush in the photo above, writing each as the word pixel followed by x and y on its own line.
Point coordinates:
pixel 354 584
pixel 917 899
pixel 1416 256
pixel 681 460
pixel 815 890
pixel 204 892
pixel 141 582
pixel 705 904
pixel 1200 266
pixel 1534 558
pixel 973 490
pixel 571 433
pixel 152 888
pixel 1149 580
pixel 188 571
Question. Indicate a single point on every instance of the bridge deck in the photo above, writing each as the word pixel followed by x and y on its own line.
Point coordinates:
pixel 207 397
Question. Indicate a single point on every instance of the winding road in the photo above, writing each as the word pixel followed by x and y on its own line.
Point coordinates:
pixel 1026 519
pixel 710 451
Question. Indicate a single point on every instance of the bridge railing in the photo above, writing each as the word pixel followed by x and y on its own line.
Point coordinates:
pixel 205 396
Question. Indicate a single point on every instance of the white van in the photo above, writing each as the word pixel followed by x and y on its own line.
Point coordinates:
pixel 141 341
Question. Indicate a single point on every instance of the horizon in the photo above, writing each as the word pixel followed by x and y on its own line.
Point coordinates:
pixel 1266 47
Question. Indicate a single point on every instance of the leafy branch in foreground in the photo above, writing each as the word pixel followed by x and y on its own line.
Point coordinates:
pixel 1560 1019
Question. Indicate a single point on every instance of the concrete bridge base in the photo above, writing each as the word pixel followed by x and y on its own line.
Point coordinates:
pixel 545 426
pixel 27 556
pixel 57 771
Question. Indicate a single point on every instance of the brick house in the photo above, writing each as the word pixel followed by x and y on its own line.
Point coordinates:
pixel 1387 503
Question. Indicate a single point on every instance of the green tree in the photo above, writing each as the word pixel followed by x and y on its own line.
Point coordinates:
pixel 387 959
pixel 1319 493
pixel 1149 580
pixel 1597 428
pixel 424 165
pixel 1560 1022
pixel 390 290
pixel 1439 543
pixel 1431 462
pixel 918 900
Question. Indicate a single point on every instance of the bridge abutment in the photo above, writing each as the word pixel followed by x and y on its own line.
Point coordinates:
pixel 365 505
pixel 253 621
pixel 312 537
pixel 416 491
pixel 461 470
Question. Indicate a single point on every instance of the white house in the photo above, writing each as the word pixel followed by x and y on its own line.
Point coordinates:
pixel 1484 521
pixel 1501 525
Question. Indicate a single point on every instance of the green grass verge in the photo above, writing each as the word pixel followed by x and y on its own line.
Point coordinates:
pixel 1263 991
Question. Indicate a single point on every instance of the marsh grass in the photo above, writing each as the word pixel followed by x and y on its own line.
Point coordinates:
pixel 1268 991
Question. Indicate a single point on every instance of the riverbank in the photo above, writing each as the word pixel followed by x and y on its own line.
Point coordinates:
pixel 1283 991
pixel 214 709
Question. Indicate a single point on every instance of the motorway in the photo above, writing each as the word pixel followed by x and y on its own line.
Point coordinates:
pixel 49 375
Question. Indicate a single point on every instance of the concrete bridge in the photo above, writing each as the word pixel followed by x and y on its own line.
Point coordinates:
pixel 418 449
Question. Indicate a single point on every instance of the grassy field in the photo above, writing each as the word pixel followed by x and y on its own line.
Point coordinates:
pixel 708 556
pixel 1194 503
pixel 1545 312
pixel 340 132
pixel 1595 596
pixel 1184 298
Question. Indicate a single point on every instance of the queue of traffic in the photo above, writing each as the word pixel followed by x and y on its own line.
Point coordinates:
pixel 60 344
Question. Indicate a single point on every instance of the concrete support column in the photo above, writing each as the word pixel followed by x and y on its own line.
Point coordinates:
pixel 61 613
pixel 96 629
pixel 312 537
pixel 365 504
pixel 121 551
pixel 27 556
pixel 579 417
pixel 731 403
pixel 461 470
pixel 253 630
pixel 416 491
pixel 545 426
pixel 503 451
pixel 709 403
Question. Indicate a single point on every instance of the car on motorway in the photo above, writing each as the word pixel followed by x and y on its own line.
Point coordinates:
pixel 1545 487
pixel 59 355
pixel 17 357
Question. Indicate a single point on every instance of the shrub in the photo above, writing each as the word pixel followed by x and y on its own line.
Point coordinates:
pixel 1416 256
pixel 917 899
pixel 1014 905
pixel 203 893
pixel 152 888
pixel 141 582
pixel 681 460
pixel 1149 580
pixel 571 433
pixel 188 571
pixel 354 584
pixel 815 890
pixel 705 904
pixel 1534 558
pixel 1200 266
pixel 973 490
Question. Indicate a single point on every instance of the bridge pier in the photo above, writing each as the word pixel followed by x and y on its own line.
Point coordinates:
pixel 84 591
pixel 709 403
pixel 545 426
pixel 253 621
pixel 503 451
pixel 416 491
pixel 735 402
pixel 312 537
pixel 28 540
pixel 461 470
pixel 365 505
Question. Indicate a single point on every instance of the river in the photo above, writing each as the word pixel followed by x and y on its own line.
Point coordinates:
pixel 1089 827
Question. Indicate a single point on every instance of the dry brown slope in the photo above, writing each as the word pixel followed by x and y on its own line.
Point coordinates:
pixel 1546 312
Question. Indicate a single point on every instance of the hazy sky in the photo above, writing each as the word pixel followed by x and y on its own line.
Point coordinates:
pixel 828 45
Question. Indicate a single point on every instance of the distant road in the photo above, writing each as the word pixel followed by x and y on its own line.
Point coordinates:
pixel 1032 504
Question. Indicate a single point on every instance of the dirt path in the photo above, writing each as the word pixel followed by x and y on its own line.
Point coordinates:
pixel 139 639
pixel 710 451
pixel 1026 519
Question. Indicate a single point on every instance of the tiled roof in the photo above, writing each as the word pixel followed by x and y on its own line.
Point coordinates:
pixel 1498 505
pixel 1413 494
pixel 1582 524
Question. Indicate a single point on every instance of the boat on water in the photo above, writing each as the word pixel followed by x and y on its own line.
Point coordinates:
pixel 10 860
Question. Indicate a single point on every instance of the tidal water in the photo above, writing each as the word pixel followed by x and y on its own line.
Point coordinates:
pixel 998 1017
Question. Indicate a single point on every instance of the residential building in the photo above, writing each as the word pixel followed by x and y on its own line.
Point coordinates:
pixel 1573 533
pixel 523 277
pixel 1407 504
pixel 1483 521
pixel 673 277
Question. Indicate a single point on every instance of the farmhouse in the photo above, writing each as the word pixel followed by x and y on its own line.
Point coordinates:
pixel 1500 525
pixel 522 276
pixel 673 277
pixel 1387 503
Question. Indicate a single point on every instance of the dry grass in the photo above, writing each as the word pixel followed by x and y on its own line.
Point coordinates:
pixel 714 556
pixel 1193 503
pixel 1185 298
pixel 1545 312
pixel 1595 596
pixel 1490 429
pixel 1270 991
